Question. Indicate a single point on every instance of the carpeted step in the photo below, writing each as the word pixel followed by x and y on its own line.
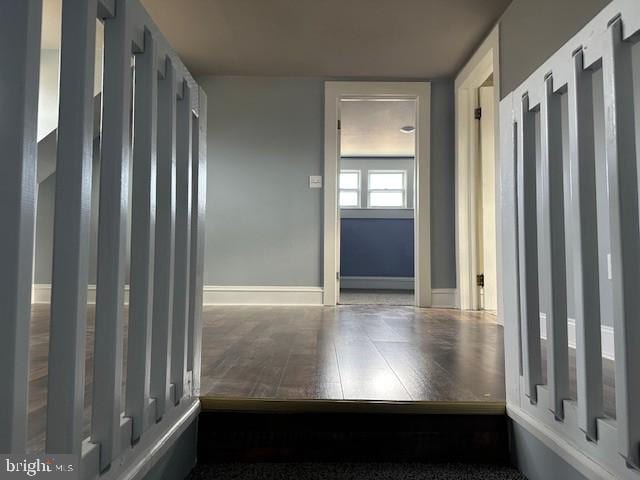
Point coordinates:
pixel 352 471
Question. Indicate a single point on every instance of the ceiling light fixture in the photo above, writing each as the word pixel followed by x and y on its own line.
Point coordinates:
pixel 408 129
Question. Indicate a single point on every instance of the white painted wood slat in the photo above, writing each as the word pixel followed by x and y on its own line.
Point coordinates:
pixel 528 251
pixel 142 235
pixel 622 168
pixel 507 226
pixel 112 235
pixel 184 117
pixel 163 276
pixel 554 274
pixel 65 401
pixel 585 247
pixel 198 208
pixel 20 26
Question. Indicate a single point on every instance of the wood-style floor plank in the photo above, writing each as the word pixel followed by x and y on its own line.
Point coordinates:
pixel 358 352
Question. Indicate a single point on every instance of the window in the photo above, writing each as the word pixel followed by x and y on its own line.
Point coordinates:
pixel 387 189
pixel 349 189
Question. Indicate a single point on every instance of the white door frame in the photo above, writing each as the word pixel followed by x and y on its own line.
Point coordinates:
pixel 421 93
pixel 484 62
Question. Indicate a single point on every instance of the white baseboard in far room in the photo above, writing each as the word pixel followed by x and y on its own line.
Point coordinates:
pixel 261 295
pixel 41 293
pixel 444 298
pixel 608 349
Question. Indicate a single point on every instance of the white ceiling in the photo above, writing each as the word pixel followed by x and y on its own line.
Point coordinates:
pixel 329 38
pixel 372 128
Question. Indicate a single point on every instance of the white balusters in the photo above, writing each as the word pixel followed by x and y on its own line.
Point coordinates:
pixel 112 235
pixel 622 168
pixel 169 145
pixel 65 401
pixel 585 247
pixel 528 250
pixel 198 205
pixel 142 234
pixel 589 194
pixel 164 242
pixel 508 233
pixel 20 26
pixel 554 279
pixel 179 339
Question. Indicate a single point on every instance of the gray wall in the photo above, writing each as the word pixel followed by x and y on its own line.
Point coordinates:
pixel 44 230
pixel 531 31
pixel 264 224
pixel 443 201
pixel 45 215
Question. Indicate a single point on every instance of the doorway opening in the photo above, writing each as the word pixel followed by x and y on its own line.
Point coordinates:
pixel 477 90
pixel 377 239
pixel 376 201
pixel 486 200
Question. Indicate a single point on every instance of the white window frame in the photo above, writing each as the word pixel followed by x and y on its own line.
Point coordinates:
pixel 358 191
pixel 375 190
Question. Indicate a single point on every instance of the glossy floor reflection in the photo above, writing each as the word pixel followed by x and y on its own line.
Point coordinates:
pixel 358 352
pixel 376 297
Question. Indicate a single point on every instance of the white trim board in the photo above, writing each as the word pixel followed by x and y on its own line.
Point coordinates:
pixel 483 63
pixel 41 293
pixel 608 349
pixel 257 295
pixel 335 92
pixel 377 283
pixel 444 298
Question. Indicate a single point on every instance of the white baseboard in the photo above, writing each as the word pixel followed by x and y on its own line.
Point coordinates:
pixel 608 349
pixel 378 283
pixel 251 295
pixel 444 298
pixel 41 293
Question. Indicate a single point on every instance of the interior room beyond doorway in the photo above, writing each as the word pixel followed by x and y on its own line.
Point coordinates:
pixel 376 201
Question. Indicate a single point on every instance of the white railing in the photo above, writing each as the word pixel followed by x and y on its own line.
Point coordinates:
pixel 569 226
pixel 168 151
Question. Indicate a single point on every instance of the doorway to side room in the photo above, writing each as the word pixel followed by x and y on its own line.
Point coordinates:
pixel 486 280
pixel 477 90
pixel 376 201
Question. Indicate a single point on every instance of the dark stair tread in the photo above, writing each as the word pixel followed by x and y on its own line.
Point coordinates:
pixel 250 436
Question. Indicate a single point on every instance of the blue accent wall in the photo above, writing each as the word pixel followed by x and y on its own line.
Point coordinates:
pixel 376 247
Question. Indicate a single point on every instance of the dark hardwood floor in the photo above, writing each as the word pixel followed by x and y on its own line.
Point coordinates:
pixel 358 352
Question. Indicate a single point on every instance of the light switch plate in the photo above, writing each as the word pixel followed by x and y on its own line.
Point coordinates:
pixel 315 181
